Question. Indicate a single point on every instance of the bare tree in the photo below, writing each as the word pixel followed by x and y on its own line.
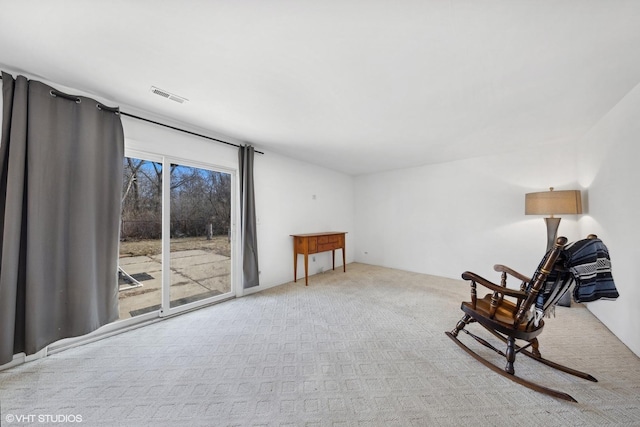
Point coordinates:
pixel 200 200
pixel 131 181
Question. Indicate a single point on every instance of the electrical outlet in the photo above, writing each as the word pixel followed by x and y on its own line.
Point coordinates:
pixel 313 259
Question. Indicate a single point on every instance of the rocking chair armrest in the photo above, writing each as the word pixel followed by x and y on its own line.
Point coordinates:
pixel 473 277
pixel 504 269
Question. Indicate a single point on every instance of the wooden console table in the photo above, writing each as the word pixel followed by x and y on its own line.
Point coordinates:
pixel 313 243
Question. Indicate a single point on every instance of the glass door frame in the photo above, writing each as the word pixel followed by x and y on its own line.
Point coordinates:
pixel 124 323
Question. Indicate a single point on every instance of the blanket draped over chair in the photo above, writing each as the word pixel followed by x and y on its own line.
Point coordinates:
pixel 589 263
pixel 587 269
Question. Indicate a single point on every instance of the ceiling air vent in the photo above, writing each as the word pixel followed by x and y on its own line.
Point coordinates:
pixel 168 95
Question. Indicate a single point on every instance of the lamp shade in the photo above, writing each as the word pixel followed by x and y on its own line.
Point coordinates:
pixel 553 202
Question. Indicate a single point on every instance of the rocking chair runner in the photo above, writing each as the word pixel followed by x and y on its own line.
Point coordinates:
pixel 520 317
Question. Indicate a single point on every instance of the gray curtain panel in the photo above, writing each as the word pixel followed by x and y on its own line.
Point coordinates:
pixel 248 230
pixel 60 189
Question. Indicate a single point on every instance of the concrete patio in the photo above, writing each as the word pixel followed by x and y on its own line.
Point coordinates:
pixel 195 274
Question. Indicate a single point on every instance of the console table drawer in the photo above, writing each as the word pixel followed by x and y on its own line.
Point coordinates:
pixel 328 239
pixel 328 246
pixel 313 245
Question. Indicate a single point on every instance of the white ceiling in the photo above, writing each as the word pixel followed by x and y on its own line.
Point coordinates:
pixel 354 85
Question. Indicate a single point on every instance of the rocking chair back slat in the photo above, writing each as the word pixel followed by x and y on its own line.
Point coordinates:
pixel 540 277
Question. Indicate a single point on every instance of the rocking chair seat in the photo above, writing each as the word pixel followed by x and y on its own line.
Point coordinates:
pixel 503 319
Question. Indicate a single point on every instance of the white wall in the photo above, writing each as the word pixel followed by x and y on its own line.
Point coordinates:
pixel 151 138
pixel 285 206
pixel 608 165
pixel 468 215
pixel 446 218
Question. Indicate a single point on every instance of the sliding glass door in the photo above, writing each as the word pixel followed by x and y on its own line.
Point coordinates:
pixel 176 236
pixel 200 234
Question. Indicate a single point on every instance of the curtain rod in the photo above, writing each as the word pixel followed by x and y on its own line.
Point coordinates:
pixel 178 129
pixel 183 130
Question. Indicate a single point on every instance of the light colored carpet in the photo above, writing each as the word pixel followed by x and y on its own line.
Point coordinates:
pixel 361 348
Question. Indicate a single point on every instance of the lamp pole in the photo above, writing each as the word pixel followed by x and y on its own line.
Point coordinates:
pixel 552 230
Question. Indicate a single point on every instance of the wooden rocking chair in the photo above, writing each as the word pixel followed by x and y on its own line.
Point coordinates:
pixel 515 318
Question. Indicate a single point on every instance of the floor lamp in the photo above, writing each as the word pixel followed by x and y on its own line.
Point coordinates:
pixel 554 203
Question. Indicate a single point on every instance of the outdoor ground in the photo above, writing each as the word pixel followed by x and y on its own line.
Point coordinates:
pixel 218 244
pixel 199 269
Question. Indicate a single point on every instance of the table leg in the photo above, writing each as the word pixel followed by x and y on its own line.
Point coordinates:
pixel 344 262
pixel 306 269
pixel 295 266
pixel 333 257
